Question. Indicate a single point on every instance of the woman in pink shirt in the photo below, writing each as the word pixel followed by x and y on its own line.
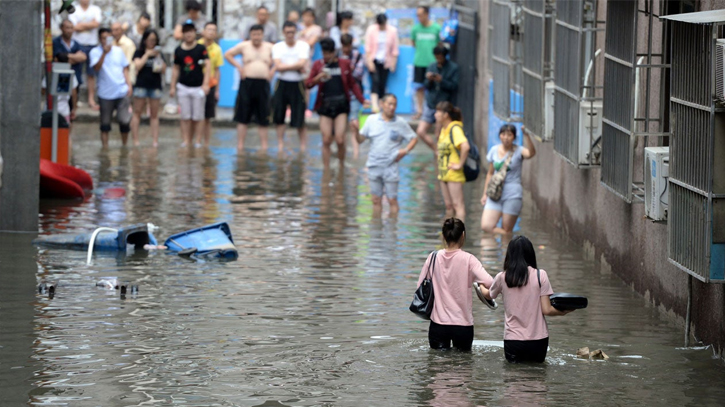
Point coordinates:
pixel 526 292
pixel 453 272
pixel 381 56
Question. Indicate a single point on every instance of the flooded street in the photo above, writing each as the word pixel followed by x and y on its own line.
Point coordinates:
pixel 315 310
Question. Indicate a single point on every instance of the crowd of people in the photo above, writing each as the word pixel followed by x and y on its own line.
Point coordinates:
pixel 125 70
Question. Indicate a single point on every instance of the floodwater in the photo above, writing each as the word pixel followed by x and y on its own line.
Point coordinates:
pixel 314 312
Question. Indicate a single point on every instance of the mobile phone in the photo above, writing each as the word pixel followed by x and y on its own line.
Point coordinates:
pixel 157 48
pixel 109 40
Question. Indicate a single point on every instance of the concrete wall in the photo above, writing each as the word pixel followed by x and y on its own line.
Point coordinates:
pixel 20 72
pixel 618 234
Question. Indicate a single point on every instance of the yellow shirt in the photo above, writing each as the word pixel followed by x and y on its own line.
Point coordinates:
pixel 215 56
pixel 448 153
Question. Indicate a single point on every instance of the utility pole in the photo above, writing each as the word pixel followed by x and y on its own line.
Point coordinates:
pixel 20 76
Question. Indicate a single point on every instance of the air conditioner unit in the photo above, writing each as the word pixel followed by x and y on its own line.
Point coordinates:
pixel 549 89
pixel 590 133
pixel 720 70
pixel 657 168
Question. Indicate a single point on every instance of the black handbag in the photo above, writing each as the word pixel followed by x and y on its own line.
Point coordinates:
pixel 565 301
pixel 423 299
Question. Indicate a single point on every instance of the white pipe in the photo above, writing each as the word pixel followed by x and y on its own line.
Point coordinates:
pixel 93 241
pixel 636 87
pixel 589 70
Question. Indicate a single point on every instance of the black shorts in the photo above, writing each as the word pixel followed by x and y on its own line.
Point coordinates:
pixel 210 104
pixel 334 106
pixel 526 351
pixel 252 101
pixel 290 94
pixel 419 74
pixel 441 336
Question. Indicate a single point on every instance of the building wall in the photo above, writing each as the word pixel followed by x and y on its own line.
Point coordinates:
pixel 616 233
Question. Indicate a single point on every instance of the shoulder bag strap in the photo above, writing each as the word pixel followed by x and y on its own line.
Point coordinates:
pixel 431 265
pixel 505 167
pixel 450 134
pixel 538 276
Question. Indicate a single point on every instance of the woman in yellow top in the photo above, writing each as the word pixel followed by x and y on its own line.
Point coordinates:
pixel 453 150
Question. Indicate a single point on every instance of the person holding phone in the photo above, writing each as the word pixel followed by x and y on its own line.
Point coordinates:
pixel 150 65
pixel 114 85
pixel 441 83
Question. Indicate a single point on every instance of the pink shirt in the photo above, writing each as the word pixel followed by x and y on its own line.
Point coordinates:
pixel 391 45
pixel 454 273
pixel 524 318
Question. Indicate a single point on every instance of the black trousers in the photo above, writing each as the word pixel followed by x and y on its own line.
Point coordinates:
pixel 441 336
pixel 526 351
pixel 379 78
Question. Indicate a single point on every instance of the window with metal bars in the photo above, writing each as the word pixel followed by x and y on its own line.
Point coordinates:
pixel 578 87
pixel 696 219
pixel 506 58
pixel 636 69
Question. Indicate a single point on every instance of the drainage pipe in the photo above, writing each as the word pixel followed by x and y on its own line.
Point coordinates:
pixel 689 310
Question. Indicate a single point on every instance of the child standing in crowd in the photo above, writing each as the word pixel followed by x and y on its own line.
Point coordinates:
pixel 215 58
pixel 336 85
pixel 190 82
pixel 387 133
pixel 357 62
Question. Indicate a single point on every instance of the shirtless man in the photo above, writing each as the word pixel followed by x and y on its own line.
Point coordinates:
pixel 253 93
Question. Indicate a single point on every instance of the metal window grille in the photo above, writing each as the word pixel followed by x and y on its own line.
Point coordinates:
pixel 577 94
pixel 537 64
pixel 696 235
pixel 634 69
pixel 506 54
pixel 465 55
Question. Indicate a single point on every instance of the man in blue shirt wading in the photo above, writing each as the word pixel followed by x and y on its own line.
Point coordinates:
pixel 387 133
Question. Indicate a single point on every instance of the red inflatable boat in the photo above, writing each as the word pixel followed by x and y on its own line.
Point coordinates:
pixel 62 181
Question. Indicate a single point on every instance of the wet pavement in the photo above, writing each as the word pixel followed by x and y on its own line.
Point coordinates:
pixel 314 312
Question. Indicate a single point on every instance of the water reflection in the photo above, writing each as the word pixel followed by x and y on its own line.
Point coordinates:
pixel 314 312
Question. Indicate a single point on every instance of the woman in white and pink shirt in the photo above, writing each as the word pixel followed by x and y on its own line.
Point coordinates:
pixel 381 56
pixel 453 272
pixel 526 292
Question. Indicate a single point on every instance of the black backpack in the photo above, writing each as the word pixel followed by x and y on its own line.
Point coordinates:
pixel 472 166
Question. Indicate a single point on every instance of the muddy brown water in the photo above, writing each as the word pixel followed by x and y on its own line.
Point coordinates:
pixel 314 312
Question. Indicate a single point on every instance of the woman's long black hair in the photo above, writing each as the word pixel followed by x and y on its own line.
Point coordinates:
pixel 142 45
pixel 520 256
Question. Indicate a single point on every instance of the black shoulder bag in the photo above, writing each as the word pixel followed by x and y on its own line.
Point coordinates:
pixel 422 304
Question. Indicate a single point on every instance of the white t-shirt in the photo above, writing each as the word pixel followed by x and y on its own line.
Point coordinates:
pixel 382 40
pixel 92 13
pixel 290 55
pixel 64 100
pixel 111 81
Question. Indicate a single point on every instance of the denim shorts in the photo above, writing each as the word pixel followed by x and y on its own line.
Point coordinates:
pixel 428 114
pixel 355 108
pixel 143 93
pixel 506 206
pixel 384 181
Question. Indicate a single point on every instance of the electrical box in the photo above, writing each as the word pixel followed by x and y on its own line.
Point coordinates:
pixel 590 133
pixel 657 164
pixel 62 79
